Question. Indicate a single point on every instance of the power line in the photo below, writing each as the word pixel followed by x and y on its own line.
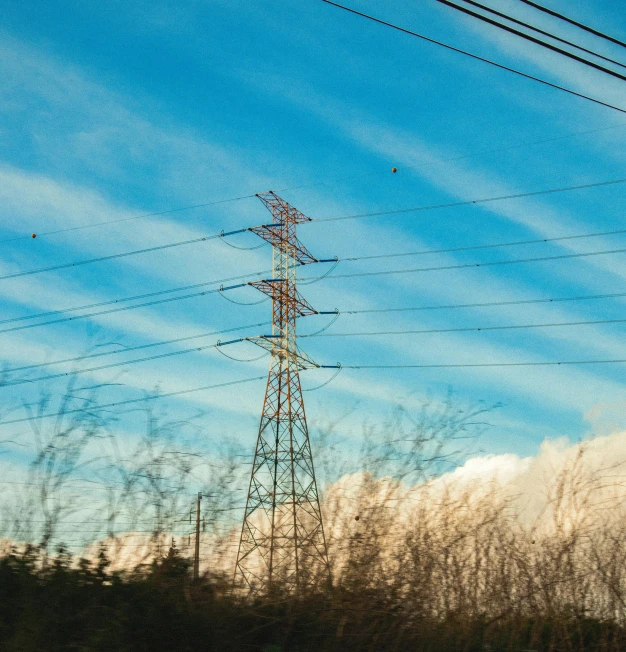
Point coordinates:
pixel 473 265
pixel 573 22
pixel 136 297
pixel 103 522
pixel 469 202
pixel 541 31
pixel 123 308
pixel 471 329
pixel 113 365
pixel 120 255
pixel 113 310
pixel 127 219
pixel 330 276
pixel 91 408
pixel 342 312
pixel 324 219
pixel 375 214
pixel 326 181
pixel 488 304
pixel 475 56
pixel 487 246
pixel 59 531
pixel 261 273
pixel 138 305
pixel 505 149
pixel 135 348
pixel 483 364
pixel 532 39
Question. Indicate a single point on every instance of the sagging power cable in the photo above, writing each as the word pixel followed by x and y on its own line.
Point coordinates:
pixel 125 254
pixel 481 364
pixel 506 148
pixel 128 219
pixel 439 268
pixel 92 407
pixel 498 245
pixel 112 365
pixel 326 182
pixel 532 39
pixel 306 280
pixel 487 304
pixel 586 28
pixel 468 202
pixel 537 30
pixel 128 349
pixel 125 363
pixel 109 311
pixel 476 57
pixel 149 295
pixel 335 314
pixel 473 329
pixel 326 219
pixel 136 297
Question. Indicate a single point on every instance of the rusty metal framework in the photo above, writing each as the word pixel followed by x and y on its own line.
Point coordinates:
pixel 282 540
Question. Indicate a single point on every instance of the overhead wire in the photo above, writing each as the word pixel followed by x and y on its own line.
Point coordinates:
pixel 103 522
pixel 232 246
pixel 498 245
pixel 128 349
pixel 122 363
pixel 438 268
pixel 473 329
pixel 533 39
pixel 488 304
pixel 586 28
pixel 468 202
pixel 91 407
pixel 230 357
pixel 327 274
pixel 324 275
pixel 485 364
pixel 128 219
pixel 327 382
pixel 124 254
pixel 323 219
pixel 506 148
pixel 475 56
pixel 324 182
pixel 541 31
pixel 123 308
pixel 335 313
pixel 136 297
pixel 244 303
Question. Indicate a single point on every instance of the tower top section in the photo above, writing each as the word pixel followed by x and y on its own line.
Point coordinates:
pixel 281 233
pixel 280 209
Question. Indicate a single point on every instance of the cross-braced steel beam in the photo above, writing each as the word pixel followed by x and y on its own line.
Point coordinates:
pixel 282 542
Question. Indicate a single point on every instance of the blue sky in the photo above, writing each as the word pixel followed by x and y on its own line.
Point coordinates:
pixel 111 110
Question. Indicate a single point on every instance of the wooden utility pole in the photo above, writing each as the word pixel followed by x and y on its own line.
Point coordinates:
pixel 196 557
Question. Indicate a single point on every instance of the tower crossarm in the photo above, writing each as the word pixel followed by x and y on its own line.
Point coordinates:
pixel 282 240
pixel 282 541
pixel 280 209
pixel 272 343
pixel 278 290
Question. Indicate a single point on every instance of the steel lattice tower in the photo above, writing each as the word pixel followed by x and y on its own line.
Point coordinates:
pixel 282 540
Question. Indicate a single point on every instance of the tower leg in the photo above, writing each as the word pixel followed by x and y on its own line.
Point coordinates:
pixel 282 543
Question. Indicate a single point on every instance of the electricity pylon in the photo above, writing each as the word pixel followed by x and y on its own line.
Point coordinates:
pixel 282 540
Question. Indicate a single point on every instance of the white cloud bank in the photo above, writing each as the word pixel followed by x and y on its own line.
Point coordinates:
pixel 565 483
